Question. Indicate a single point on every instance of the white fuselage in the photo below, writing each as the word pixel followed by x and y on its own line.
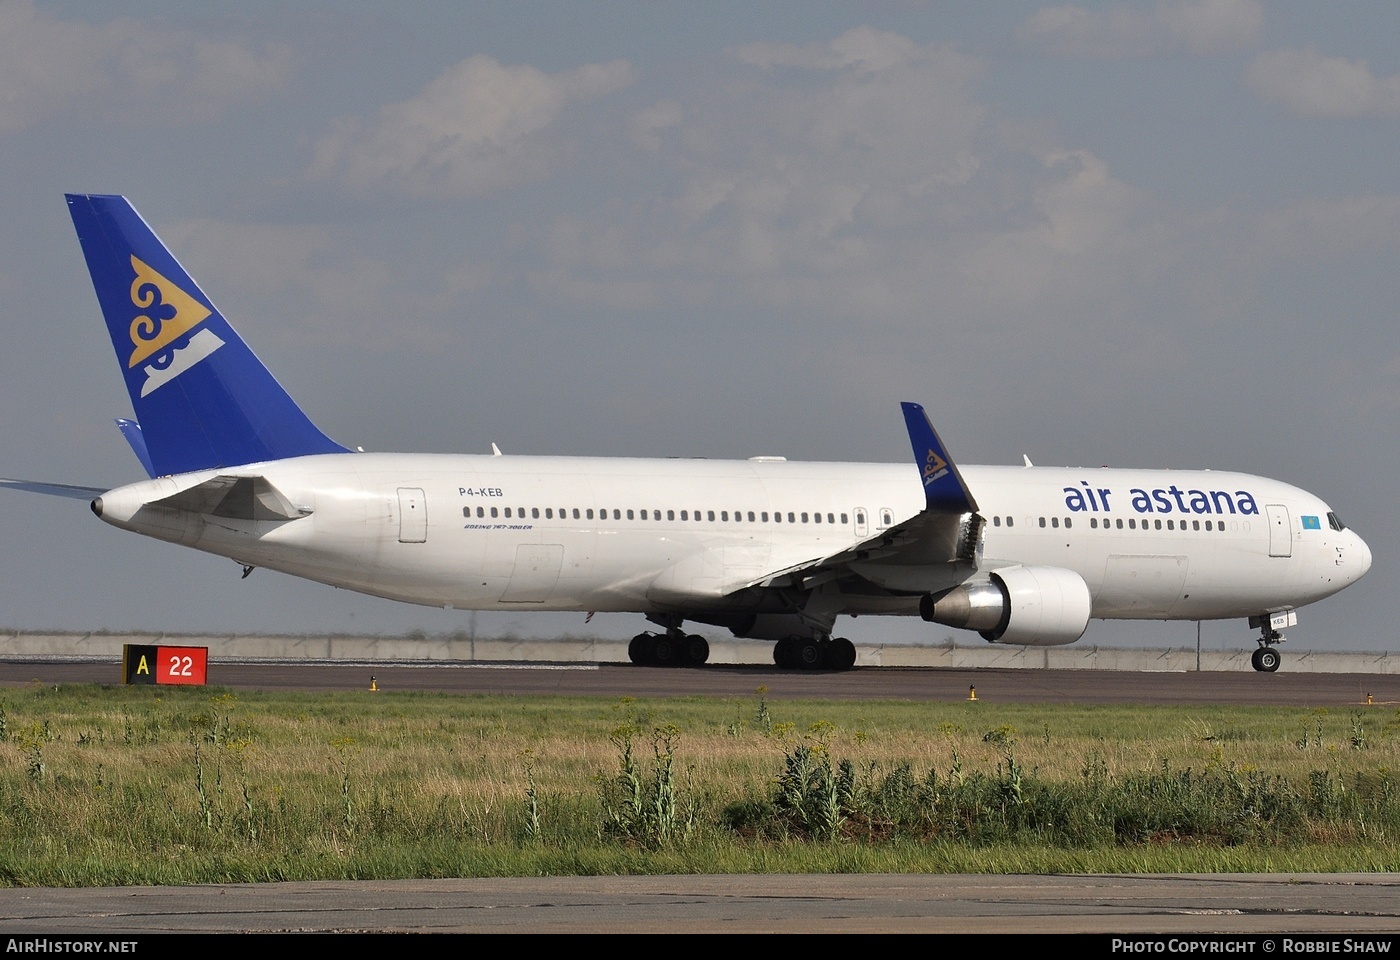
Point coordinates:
pixel 657 536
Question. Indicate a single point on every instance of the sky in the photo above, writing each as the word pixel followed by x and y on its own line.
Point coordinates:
pixel 1147 235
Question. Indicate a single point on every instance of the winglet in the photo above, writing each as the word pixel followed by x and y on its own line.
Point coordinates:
pixel 944 489
pixel 202 398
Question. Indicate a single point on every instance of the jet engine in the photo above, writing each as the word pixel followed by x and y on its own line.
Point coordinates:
pixel 1032 605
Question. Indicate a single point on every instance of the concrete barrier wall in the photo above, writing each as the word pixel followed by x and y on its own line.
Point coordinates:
pixel 460 647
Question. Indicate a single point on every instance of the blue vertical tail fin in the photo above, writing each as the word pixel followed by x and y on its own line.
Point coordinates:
pixel 203 400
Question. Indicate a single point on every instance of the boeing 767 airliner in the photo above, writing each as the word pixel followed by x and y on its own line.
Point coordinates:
pixel 772 550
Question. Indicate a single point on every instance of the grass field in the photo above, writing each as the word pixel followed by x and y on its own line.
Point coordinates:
pixel 136 785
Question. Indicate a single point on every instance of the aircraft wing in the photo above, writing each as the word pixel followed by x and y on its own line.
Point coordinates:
pixel 917 555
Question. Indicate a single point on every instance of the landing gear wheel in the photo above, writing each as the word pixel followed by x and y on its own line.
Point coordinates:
pixel 639 650
pixel 697 650
pixel 1266 660
pixel 666 652
pixel 811 654
pixel 842 654
pixel 782 652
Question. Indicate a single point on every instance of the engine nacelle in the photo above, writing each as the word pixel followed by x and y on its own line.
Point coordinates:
pixel 1040 606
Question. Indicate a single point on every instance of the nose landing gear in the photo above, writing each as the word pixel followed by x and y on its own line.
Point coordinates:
pixel 1266 659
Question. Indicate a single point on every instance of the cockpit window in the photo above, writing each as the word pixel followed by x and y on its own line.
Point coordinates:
pixel 1335 522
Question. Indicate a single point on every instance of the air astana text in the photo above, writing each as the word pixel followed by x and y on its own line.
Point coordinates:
pixel 1173 499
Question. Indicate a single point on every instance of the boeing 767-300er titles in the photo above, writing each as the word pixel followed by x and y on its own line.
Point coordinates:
pixel 769 549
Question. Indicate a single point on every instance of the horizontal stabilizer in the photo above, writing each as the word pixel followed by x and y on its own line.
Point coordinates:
pixel 68 490
pixel 234 498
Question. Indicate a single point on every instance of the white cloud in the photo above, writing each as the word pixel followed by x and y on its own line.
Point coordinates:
pixel 646 126
pixel 862 49
pixel 845 179
pixel 478 126
pixel 863 178
pixel 1197 27
pixel 297 284
pixel 124 68
pixel 1308 84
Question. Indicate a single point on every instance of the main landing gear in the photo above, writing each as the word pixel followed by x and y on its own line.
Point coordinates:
pixel 670 649
pixel 810 653
pixel 1266 659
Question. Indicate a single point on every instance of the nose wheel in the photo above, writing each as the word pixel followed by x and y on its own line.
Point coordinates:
pixel 1267 658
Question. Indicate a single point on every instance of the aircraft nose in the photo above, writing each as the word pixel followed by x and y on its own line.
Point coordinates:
pixel 1363 558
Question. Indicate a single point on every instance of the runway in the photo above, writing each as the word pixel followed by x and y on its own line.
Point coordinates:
pixel 1255 905
pixel 916 684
